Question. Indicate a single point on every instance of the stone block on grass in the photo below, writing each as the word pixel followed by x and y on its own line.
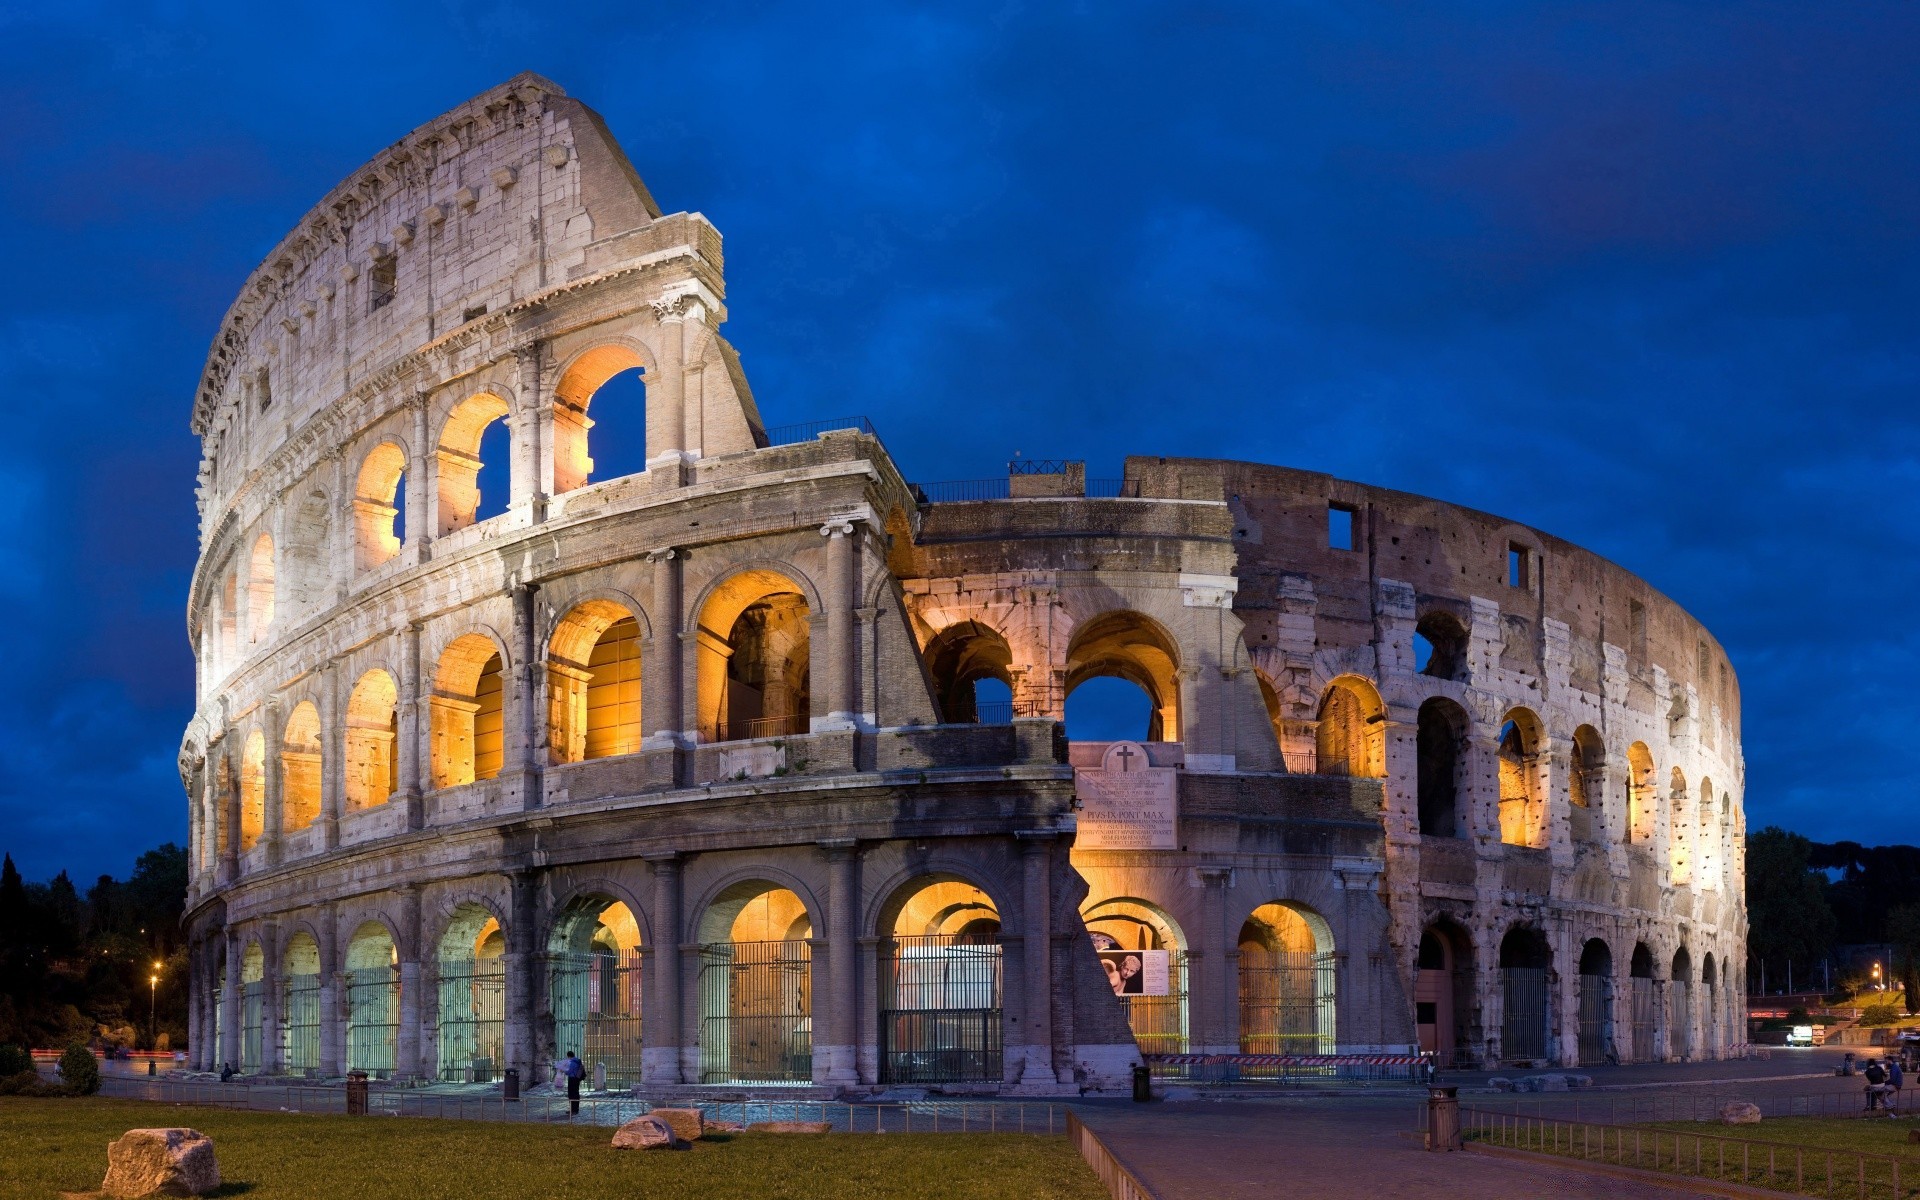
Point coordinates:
pixel 161 1162
pixel 790 1127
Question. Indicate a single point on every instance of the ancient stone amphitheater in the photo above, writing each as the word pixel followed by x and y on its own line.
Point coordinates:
pixel 749 768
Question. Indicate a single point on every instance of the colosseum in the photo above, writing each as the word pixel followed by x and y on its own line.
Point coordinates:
pixel 749 767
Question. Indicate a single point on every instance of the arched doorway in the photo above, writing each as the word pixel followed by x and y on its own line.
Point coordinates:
pixel 594 981
pixel 373 1000
pixel 1443 994
pixel 1680 1007
pixel 1442 733
pixel 1286 982
pixel 940 985
pixel 1154 983
pixel 756 987
pixel 1525 961
pixel 1710 1008
pixel 1594 1039
pixel 1349 737
pixel 754 661
pixel 1645 1012
pixel 300 1028
pixel 1132 647
pixel 473 996
pixel 963 657
pixel 253 1006
pixel 1522 815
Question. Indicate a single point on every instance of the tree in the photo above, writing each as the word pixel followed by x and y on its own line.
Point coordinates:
pixel 1787 911
pixel 1903 930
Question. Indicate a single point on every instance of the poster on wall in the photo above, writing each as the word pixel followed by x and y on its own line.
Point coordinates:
pixel 1125 804
pixel 1136 972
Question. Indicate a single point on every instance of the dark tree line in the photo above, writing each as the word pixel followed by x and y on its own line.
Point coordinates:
pixel 1805 897
pixel 76 968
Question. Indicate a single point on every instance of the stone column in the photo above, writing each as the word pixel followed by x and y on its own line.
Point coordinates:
pixel 272 1062
pixel 196 1004
pixel 524 750
pixel 1036 1049
pixel 333 755
pixel 1213 968
pixel 408 767
pixel 333 997
pixel 407 1040
pixel 531 481
pixel 522 967
pixel 661 688
pixel 667 387
pixel 229 815
pixel 418 547
pixel 839 1055
pixel 842 688
pixel 230 1007
pixel 273 821
pixel 660 1053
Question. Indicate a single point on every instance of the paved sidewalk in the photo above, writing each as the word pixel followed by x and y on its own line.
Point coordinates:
pixel 1323 1148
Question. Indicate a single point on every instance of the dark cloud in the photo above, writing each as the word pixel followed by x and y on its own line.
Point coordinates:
pixel 1644 275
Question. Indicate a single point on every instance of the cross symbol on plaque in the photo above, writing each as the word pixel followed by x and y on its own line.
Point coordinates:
pixel 1125 755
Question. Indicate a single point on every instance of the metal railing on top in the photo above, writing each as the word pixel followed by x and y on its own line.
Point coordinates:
pixel 806 431
pixel 1113 489
pixel 962 491
pixel 787 725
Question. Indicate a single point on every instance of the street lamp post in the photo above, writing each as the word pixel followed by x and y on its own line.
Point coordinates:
pixel 153 992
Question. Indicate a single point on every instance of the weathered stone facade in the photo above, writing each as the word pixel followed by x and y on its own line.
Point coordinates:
pixel 695 751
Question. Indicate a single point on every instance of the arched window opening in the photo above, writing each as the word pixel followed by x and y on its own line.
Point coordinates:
pixel 1144 956
pixel 229 618
pixel 379 524
pixel 300 1031
pixel 1707 835
pixel 1110 709
pixel 607 378
pixel 224 1049
pixel 253 1008
pixel 465 714
pixel 963 657
pixel 1286 982
pixel 300 767
pixel 1350 736
pixel 1640 798
pixel 253 790
pixel 1439 742
pixel 1522 815
pixel 940 985
pixel 260 589
pixel 474 454
pixel 1440 646
pixel 373 1000
pixel 1586 785
pixel 593 683
pixel 1444 1000
pixel 594 982
pixel 1680 1007
pixel 1712 1044
pixel 1680 848
pixel 1595 1034
pixel 1644 1000
pixel 755 655
pixel 472 1015
pixel 1525 962
pixel 373 725
pixel 756 987
pixel 1134 648
pixel 306 566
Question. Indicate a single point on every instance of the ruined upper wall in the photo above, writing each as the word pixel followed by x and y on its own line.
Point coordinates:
pixel 518 190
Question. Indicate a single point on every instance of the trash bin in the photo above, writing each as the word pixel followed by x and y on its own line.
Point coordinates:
pixel 1142 1084
pixel 510 1089
pixel 356 1093
pixel 1443 1118
pixel 153 1068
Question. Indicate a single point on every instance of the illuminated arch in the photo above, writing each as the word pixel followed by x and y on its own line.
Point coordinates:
pixel 376 504
pixel 466 712
pixel 585 375
pixel 373 723
pixel 260 607
pixel 756 985
pixel 300 973
pixel 1350 735
pixel 958 657
pixel 940 984
pixel 471 1022
pixel 457 458
pixel 593 682
pixel 300 773
pixel 253 790
pixel 1680 833
pixel 1286 981
pixel 373 1000
pixel 1132 646
pixel 1641 805
pixel 754 657
pixel 1123 924
pixel 1522 813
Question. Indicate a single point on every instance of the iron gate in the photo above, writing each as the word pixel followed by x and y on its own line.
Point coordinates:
pixel 940 1018
pixel 1159 1023
pixel 253 1006
pixel 756 1012
pixel 1645 1013
pixel 303 1023
pixel 1523 1030
pixel 1680 1017
pixel 472 1020
pixel 1593 1039
pixel 373 1019
pixel 1286 1003
pixel 596 1011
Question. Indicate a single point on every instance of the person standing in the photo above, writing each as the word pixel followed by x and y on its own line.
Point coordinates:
pixel 575 1070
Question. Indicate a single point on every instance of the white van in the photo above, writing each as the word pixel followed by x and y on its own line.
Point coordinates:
pixel 1800 1035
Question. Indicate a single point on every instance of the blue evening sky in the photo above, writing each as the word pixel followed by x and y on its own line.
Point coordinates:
pixel 1643 275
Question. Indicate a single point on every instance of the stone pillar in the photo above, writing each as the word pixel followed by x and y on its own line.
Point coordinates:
pixel 840 660
pixel 408 766
pixel 230 1007
pixel 418 548
pixel 531 481
pixel 272 1061
pixel 333 997
pixel 660 1054
pixel 661 688
pixel 229 814
pixel 407 1040
pixel 1035 1051
pixel 667 387
pixel 522 967
pixel 333 755
pixel 1213 969
pixel 839 1055
pixel 524 750
pixel 196 1005
pixel 273 821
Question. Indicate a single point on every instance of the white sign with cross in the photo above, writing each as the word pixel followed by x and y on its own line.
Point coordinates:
pixel 1126 804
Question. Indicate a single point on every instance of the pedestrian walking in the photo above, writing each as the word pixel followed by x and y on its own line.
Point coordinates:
pixel 1876 1084
pixel 574 1070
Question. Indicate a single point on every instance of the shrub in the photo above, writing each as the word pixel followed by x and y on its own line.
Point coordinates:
pixel 14 1060
pixel 79 1070
pixel 1879 1015
pixel 29 1083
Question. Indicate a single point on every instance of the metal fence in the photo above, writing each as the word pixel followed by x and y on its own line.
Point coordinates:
pixel 1804 1170
pixel 782 725
pixel 807 431
pixel 595 999
pixel 1595 993
pixel 253 1007
pixel 1160 1022
pixel 302 1047
pixel 373 1019
pixel 963 491
pixel 1523 1028
pixel 1695 1103
pixel 1286 1003
pixel 756 1012
pixel 940 1018
pixel 1645 1012
pixel 472 1019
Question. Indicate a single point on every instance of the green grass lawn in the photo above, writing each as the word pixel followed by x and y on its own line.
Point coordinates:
pixel 1868 1135
pixel 51 1146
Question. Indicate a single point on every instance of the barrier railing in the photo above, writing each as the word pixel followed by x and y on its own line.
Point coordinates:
pixel 1291 1068
pixel 807 431
pixel 1780 1166
pixel 1120 1183
pixel 1680 1103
